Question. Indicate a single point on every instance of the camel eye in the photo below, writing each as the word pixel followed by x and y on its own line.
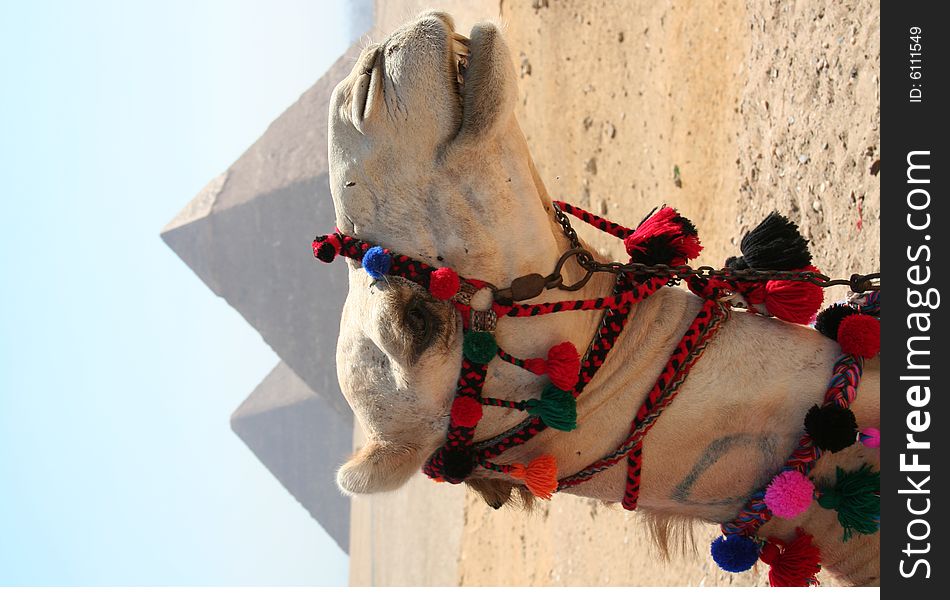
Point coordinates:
pixel 419 322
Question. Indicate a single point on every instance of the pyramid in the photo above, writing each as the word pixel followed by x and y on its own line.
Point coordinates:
pixel 287 426
pixel 247 235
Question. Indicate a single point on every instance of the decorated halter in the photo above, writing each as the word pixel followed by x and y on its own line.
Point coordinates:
pixel 772 277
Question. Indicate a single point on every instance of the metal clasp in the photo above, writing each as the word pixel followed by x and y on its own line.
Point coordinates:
pixel 865 283
pixel 533 285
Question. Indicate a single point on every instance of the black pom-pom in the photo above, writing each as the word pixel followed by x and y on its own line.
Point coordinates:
pixel 832 427
pixel 326 252
pixel 830 319
pixel 736 262
pixel 457 464
pixel 775 243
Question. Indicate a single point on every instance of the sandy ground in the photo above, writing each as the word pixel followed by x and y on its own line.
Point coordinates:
pixel 724 110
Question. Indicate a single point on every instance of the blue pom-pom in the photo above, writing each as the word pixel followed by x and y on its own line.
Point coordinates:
pixel 735 553
pixel 377 261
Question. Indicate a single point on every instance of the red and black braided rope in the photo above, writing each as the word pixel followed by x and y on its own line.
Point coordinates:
pixel 470 383
pixel 604 340
pixel 687 352
pixel 842 390
pixel 690 348
pixel 605 225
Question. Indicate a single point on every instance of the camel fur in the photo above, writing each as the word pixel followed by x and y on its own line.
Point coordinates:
pixel 442 172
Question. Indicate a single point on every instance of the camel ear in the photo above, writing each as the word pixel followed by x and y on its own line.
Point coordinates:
pixel 378 467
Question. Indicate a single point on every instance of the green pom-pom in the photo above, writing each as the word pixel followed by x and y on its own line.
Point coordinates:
pixel 556 407
pixel 857 498
pixel 479 347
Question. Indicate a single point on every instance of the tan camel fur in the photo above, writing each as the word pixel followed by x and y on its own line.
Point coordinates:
pixel 440 170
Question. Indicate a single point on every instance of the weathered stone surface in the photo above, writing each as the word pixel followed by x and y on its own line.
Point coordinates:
pixel 247 235
pixel 301 439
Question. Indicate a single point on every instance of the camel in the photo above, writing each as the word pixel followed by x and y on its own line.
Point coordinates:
pixel 426 158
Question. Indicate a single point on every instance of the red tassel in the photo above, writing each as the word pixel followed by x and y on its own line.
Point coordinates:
pixel 665 237
pixel 540 476
pixel 794 301
pixel 564 365
pixel 792 564
pixel 538 366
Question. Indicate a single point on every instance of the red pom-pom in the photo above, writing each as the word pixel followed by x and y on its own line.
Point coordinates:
pixel 325 248
pixel 466 412
pixel 860 335
pixel 444 283
pixel 665 237
pixel 792 564
pixel 794 301
pixel 564 365
pixel 538 366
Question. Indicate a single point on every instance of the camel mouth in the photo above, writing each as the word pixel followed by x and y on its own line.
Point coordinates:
pixel 366 82
pixel 461 55
pixel 459 51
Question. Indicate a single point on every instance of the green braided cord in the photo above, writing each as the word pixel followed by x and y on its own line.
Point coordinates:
pixel 857 498
pixel 479 347
pixel 556 407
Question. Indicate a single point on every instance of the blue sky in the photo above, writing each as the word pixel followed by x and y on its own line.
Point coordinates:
pixel 119 369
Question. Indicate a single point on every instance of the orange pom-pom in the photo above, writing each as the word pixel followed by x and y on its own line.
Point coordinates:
pixel 540 475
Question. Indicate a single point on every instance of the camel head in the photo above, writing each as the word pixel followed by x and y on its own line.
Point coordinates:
pixel 427 159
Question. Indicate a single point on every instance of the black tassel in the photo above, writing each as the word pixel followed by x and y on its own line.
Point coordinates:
pixel 458 463
pixel 775 243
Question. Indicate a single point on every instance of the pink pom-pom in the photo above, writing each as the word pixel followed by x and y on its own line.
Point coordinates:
pixel 871 437
pixel 790 494
pixel 444 283
pixel 860 335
